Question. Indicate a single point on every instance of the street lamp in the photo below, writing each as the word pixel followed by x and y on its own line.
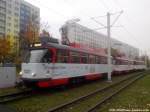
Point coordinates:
pixel 73 20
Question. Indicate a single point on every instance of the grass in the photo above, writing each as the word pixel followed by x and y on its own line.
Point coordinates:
pixel 5 91
pixel 84 105
pixel 135 97
pixel 43 102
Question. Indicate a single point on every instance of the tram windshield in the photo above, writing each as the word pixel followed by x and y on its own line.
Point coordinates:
pixel 41 56
pixel 36 55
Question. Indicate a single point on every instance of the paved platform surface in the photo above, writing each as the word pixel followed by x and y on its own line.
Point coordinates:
pixel 4 108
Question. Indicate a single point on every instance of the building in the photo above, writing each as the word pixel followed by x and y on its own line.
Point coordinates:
pixel 29 17
pixel 128 50
pixel 2 17
pixel 15 15
pixel 76 33
pixel 83 35
pixel 9 17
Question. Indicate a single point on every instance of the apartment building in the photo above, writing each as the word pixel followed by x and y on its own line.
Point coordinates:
pixel 2 17
pixel 29 16
pixel 15 15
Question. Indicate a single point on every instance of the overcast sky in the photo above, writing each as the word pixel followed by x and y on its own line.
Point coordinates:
pixel 135 18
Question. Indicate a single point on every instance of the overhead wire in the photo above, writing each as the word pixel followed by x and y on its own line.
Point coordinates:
pixel 129 33
pixel 104 5
pixel 52 10
pixel 129 21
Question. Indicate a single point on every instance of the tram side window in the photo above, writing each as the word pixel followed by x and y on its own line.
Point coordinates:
pixel 127 62
pixel 92 59
pixel 130 63
pixel 135 63
pixel 48 57
pixel 103 60
pixel 98 60
pixel 138 63
pixel 113 61
pixel 143 63
pixel 84 58
pixel 62 56
pixel 117 62
pixel 75 57
pixel 124 62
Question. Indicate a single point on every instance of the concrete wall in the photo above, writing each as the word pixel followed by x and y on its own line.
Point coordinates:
pixel 7 77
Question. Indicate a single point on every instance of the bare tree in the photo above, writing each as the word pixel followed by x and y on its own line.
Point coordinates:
pixel 44 26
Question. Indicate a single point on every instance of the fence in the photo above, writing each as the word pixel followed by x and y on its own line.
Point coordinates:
pixel 7 76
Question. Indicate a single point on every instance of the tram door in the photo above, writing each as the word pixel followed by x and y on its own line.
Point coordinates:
pixel 49 60
pixel 92 63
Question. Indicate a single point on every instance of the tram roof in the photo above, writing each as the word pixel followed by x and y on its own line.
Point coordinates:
pixel 125 59
pixel 65 47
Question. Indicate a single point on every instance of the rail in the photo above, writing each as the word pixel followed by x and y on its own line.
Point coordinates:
pixel 16 96
pixel 80 99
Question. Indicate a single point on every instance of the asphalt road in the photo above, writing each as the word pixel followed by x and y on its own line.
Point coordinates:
pixel 4 108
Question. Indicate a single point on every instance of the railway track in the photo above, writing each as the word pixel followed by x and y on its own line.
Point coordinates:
pixel 100 94
pixel 16 96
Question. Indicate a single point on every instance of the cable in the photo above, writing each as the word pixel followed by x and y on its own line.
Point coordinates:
pixel 117 18
pixel 80 10
pixel 129 21
pixel 99 22
pixel 52 10
pixel 104 5
pixel 118 5
pixel 131 34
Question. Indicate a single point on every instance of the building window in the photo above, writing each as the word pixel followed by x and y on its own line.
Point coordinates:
pixel 9 5
pixel 16 2
pixel 2 3
pixel 2 10
pixel 9 18
pixel 2 17
pixel 16 20
pixel 9 24
pixel 9 11
pixel 16 32
pixel 16 8
pixel 16 26
pixel 2 29
pixel 9 0
pixel 8 30
pixel 16 14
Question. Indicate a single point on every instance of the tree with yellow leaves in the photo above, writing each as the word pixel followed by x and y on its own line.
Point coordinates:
pixel 5 48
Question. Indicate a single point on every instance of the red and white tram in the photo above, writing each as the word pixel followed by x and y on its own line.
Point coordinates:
pixel 54 65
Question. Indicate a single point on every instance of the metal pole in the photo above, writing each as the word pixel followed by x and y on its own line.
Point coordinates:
pixel 109 47
pixel 145 60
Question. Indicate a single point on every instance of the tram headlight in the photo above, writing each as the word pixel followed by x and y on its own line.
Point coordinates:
pixel 33 74
pixel 20 73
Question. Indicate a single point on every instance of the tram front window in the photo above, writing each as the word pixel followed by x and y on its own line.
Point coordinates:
pixel 47 57
pixel 36 55
pixel 41 56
